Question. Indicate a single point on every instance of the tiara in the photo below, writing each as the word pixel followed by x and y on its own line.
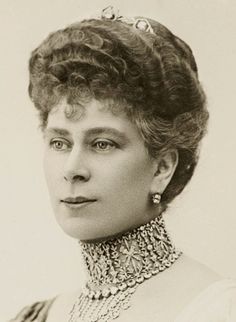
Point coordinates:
pixel 142 24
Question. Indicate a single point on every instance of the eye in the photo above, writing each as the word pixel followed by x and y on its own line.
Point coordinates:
pixel 104 145
pixel 60 144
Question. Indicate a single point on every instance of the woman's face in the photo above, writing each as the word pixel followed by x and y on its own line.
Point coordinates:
pixel 98 172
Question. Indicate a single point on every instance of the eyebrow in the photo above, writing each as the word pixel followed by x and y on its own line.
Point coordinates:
pixel 92 131
pixel 56 130
pixel 107 131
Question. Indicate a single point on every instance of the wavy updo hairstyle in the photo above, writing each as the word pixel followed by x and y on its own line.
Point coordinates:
pixel 153 78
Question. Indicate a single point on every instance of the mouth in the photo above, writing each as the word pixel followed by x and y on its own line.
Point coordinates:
pixel 77 202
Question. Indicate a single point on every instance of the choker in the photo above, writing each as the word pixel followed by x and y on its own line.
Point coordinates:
pixel 117 266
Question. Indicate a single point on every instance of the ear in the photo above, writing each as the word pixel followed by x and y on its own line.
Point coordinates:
pixel 165 168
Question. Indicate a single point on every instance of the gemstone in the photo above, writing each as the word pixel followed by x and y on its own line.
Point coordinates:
pixel 122 286
pixel 97 295
pixel 155 271
pixel 113 304
pixel 168 264
pixel 106 292
pixel 113 290
pixel 93 319
pixel 115 314
pixel 154 257
pixel 109 13
pixel 140 279
pixel 125 305
pixel 132 290
pixel 131 283
pixel 91 294
pixel 147 275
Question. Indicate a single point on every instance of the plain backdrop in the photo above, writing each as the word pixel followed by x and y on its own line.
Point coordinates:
pixel 37 260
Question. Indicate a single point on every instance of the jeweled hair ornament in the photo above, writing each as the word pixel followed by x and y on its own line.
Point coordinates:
pixel 142 24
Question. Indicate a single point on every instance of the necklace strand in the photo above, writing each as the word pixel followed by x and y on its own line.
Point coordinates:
pixel 116 267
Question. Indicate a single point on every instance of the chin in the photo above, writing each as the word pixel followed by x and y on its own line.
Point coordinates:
pixel 81 230
pixel 87 227
pixel 78 226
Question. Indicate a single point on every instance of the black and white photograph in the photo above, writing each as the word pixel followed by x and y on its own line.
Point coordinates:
pixel 118 161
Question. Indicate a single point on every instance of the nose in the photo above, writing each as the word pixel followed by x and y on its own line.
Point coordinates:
pixel 76 167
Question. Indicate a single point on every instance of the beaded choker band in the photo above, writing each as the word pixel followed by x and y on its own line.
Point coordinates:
pixel 116 267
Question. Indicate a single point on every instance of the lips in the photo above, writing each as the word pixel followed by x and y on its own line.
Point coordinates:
pixel 77 200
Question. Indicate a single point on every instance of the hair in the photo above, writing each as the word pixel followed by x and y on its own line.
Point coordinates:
pixel 151 77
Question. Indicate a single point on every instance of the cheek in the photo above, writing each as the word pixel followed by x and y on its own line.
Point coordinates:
pixel 52 172
pixel 137 179
pixel 127 177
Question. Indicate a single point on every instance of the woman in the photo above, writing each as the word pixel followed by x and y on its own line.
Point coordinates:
pixel 122 113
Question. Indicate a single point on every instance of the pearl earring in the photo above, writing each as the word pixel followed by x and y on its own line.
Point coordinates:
pixel 156 198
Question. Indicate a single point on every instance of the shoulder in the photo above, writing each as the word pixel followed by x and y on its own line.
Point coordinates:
pixel 216 303
pixel 187 276
pixel 56 309
pixel 209 297
pixel 177 286
pixel 35 312
pixel 61 307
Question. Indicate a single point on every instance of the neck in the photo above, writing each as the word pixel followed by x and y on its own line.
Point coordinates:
pixel 133 256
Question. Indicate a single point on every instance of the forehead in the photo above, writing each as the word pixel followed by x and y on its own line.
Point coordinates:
pixel 76 110
pixel 92 114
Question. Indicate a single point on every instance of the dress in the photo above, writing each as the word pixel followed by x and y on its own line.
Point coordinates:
pixel 217 303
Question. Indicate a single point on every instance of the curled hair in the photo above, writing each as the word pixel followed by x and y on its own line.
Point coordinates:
pixel 152 77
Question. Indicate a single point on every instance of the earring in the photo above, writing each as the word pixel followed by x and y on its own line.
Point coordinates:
pixel 156 198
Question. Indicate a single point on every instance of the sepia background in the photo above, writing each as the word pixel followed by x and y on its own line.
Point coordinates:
pixel 37 261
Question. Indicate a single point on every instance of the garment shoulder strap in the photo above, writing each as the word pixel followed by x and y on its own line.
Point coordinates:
pixel 36 312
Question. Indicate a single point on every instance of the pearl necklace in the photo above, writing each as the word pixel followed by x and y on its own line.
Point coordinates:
pixel 117 266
